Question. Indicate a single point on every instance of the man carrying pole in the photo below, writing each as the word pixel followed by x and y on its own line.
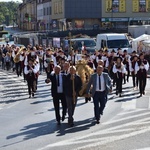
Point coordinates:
pixel 72 86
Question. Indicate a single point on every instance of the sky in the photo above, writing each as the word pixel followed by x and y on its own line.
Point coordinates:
pixel 11 0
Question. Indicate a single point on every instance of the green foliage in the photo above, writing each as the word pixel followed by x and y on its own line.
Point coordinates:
pixel 8 10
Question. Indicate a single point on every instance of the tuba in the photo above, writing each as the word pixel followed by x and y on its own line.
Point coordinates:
pixel 17 56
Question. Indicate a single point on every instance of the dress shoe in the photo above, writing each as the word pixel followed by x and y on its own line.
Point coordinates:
pixel 71 124
pixel 143 93
pixel 58 123
pixel 97 121
pixel 29 96
pixel 63 118
pixel 120 95
pixel 116 93
pixel 32 94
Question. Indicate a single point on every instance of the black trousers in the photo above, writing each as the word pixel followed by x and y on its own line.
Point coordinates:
pixel 18 68
pixel 142 84
pixel 31 87
pixel 126 76
pixel 100 100
pixel 7 66
pixel 56 100
pixel 134 79
pixel 119 79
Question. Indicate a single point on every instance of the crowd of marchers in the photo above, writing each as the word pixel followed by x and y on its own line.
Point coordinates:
pixel 110 69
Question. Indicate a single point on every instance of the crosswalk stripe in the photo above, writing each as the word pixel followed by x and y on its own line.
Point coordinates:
pixel 104 140
pixel 126 118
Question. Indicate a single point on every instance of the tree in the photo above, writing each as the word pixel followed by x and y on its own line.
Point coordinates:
pixel 8 11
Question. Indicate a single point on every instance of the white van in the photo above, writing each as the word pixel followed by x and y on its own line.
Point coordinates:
pixel 113 41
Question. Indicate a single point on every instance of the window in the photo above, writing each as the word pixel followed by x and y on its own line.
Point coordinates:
pixel 47 11
pixel 50 11
pixel 118 43
pixel 103 43
pixel 44 12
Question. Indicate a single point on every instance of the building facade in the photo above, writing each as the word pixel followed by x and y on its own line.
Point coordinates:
pixel 44 8
pixel 74 14
pixel 121 13
pixel 27 15
pixel 82 14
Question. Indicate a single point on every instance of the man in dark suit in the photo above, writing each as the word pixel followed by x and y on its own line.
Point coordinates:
pixel 72 87
pixel 57 92
pixel 101 83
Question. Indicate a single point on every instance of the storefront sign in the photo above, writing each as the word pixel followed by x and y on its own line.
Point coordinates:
pixel 114 19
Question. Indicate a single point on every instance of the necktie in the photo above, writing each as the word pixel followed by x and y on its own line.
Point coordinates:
pixel 58 80
pixel 99 82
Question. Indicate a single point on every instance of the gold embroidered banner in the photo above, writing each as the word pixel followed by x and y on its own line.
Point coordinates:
pixel 135 5
pixel 108 5
pixel 122 6
pixel 147 5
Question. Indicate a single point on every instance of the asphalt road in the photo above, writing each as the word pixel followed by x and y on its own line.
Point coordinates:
pixel 29 124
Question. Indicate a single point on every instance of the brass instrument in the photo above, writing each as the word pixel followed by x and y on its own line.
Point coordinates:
pixel 17 56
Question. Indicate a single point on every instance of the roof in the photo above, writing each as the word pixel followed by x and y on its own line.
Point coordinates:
pixel 113 36
pixel 81 39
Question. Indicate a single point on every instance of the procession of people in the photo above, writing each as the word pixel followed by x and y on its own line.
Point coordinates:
pixel 76 74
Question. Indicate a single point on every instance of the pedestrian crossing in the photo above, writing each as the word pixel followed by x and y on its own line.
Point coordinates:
pixel 133 121
pixel 12 89
pixel 122 127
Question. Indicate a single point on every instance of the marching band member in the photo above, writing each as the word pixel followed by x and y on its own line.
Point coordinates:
pixel 90 62
pixel 16 56
pixel 73 57
pixel 110 63
pixel 126 59
pixel 31 55
pixel 119 53
pixel 133 72
pixel 49 61
pixel 65 68
pixel 98 56
pixel 119 71
pixel 40 54
pixel 141 68
pixel 30 71
pixel 22 59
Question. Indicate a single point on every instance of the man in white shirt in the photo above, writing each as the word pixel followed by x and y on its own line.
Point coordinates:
pixel 101 87
pixel 56 79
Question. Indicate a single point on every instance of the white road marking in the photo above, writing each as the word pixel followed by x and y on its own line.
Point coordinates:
pixel 101 141
pixel 126 118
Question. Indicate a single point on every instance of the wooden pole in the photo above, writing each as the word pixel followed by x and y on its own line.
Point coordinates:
pixel 71 50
